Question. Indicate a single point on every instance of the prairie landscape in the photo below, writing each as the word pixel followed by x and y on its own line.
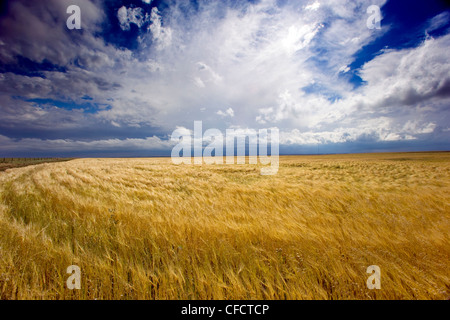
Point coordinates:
pixel 8 163
pixel 149 229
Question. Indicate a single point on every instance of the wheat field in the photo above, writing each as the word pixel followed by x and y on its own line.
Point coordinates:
pixel 149 229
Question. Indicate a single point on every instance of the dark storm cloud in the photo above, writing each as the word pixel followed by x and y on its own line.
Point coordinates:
pixel 36 30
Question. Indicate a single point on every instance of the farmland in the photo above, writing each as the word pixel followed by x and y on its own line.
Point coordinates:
pixel 149 229
pixel 8 163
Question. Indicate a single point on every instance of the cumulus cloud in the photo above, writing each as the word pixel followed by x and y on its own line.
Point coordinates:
pixel 277 65
pixel 161 35
pixel 401 85
pixel 313 6
pixel 127 16
pixel 410 76
pixel 227 113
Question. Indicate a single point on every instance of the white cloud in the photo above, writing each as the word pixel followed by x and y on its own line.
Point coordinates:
pixel 401 84
pixel 238 59
pixel 298 37
pixel 227 113
pixel 162 35
pixel 127 16
pixel 344 69
pixel 438 21
pixel 258 58
pixel 313 6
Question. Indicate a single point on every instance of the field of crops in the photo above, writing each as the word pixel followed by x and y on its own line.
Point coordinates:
pixel 8 163
pixel 149 229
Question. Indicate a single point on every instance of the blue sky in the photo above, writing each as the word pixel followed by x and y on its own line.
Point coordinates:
pixel 137 70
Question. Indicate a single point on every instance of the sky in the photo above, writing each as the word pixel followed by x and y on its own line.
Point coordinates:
pixel 137 70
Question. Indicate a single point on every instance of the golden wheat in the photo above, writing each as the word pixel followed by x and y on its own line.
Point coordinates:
pixel 148 229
